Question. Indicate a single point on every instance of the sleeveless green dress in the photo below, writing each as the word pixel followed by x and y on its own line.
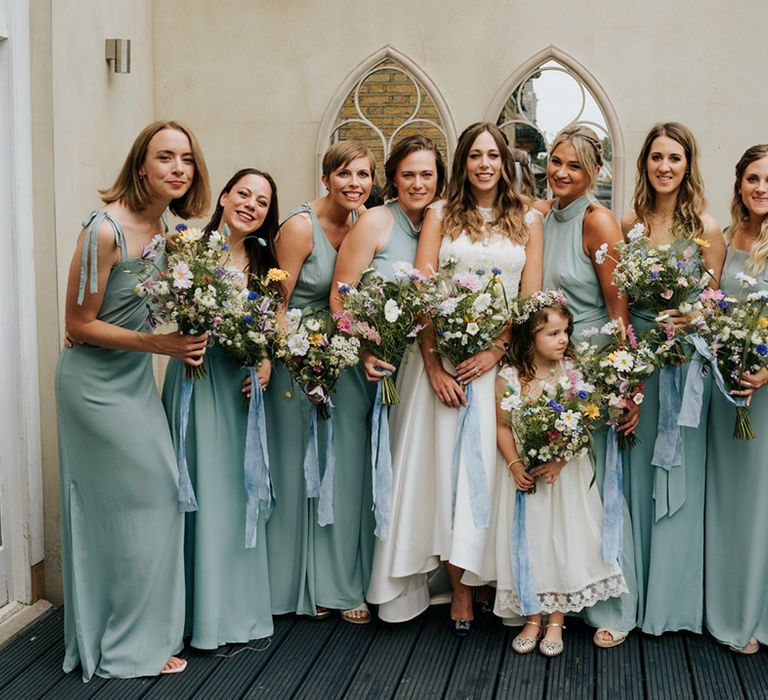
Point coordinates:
pixel 736 519
pixel 121 529
pixel 401 245
pixel 667 510
pixel 310 565
pixel 227 584
pixel 567 267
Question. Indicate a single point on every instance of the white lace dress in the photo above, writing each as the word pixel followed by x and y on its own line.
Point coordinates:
pixel 563 523
pixel 423 432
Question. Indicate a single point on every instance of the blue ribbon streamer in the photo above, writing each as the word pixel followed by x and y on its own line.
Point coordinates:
pixel 468 444
pixel 258 486
pixel 187 500
pixel 668 449
pixel 613 500
pixel 381 464
pixel 321 489
pixel 706 352
pixel 529 601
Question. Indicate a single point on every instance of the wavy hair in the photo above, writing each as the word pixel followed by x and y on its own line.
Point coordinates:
pixel 461 213
pixel 740 214
pixel 691 203
pixel 589 150
pixel 404 148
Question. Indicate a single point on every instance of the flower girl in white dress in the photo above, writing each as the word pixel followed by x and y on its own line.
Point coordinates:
pixel 552 561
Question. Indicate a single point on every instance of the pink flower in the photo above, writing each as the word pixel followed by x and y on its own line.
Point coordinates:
pixel 712 294
pixel 666 294
pixel 468 281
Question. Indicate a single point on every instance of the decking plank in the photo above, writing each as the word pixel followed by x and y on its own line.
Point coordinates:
pixel 522 677
pixel 619 671
pixel 476 671
pixel 753 674
pixel 27 647
pixel 380 671
pixel 47 673
pixel 665 667
pixel 712 669
pixel 72 686
pixel 572 674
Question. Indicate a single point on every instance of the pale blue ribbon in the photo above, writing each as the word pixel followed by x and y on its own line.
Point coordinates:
pixel 258 486
pixel 706 352
pixel 187 500
pixel 381 461
pixel 90 251
pixel 613 500
pixel 468 444
pixel 321 489
pixel 529 601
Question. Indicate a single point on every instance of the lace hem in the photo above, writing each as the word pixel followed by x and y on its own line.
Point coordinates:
pixel 610 587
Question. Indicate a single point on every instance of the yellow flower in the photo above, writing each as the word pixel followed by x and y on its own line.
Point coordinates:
pixel 591 410
pixel 316 338
pixel 275 274
pixel 701 242
pixel 762 322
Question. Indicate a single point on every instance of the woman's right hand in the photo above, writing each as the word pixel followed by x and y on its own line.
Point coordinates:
pixel 190 349
pixel 523 480
pixel 674 317
pixel 374 368
pixel 446 388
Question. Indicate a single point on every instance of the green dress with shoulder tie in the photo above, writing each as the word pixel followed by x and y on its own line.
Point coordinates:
pixel 121 529
pixel 736 517
pixel 310 565
pixel 569 268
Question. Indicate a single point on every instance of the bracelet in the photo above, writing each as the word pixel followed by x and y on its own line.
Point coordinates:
pixel 514 461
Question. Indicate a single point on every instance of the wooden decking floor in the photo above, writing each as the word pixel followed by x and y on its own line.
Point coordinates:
pixel 419 659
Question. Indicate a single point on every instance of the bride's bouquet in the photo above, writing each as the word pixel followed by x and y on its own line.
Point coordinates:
pixel 555 424
pixel 618 371
pixel 735 331
pixel 385 317
pixel 194 287
pixel 468 310
pixel 315 352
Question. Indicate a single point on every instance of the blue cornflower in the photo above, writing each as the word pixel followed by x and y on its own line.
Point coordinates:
pixel 496 270
pixel 225 246
pixel 248 318
pixel 253 295
pixel 344 288
pixel 654 276
pixel 583 394
pixel 762 349
pixel 220 272
pixel 722 304
pixel 556 406
pixel 181 227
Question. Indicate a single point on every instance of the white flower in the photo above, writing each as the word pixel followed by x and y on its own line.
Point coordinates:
pixel 312 325
pixel 473 328
pixel 293 319
pixel 664 247
pixel 637 231
pixel 510 403
pixel 609 327
pixel 391 311
pixel 622 360
pixel 638 398
pixel 601 253
pixel 162 288
pixel 447 306
pixel 298 344
pixel 481 302
pixel 746 280
pixel 402 269
pixel 182 275
pixel 214 239
pixel 589 332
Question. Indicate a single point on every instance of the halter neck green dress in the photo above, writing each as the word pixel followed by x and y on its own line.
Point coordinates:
pixel 401 245
pixel 667 509
pixel 310 565
pixel 227 584
pixel 569 268
pixel 736 519
pixel 121 529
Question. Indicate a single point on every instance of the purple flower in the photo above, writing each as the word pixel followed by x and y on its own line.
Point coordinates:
pixel 225 246
pixel 654 276
pixel 556 406
pixel 219 272
pixel 496 270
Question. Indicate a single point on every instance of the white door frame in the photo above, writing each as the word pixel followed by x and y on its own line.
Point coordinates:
pixel 20 453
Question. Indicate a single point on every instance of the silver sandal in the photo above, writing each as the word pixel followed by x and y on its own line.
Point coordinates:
pixel 550 648
pixel 525 645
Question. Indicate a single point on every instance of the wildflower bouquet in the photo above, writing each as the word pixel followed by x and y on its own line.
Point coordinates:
pixel 193 288
pixel 618 371
pixel 555 424
pixel 384 316
pixel 315 353
pixel 736 333
pixel 249 325
pixel 469 310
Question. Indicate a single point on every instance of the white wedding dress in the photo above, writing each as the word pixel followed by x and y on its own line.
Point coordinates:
pixel 423 431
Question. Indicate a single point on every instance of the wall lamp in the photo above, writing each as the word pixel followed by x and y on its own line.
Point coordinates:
pixel 119 51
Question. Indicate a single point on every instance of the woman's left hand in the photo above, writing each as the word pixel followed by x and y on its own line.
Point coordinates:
pixel 675 317
pixel 628 422
pixel 751 383
pixel 263 374
pixel 549 470
pixel 477 365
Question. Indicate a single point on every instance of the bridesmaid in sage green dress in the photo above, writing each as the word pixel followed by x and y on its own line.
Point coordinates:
pixel 121 528
pixel 313 568
pixel 575 226
pixel 736 520
pixel 227 583
pixel 667 504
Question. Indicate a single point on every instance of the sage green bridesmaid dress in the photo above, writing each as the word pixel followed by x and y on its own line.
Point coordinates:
pixel 569 268
pixel 310 565
pixel 121 528
pixel 667 510
pixel 401 244
pixel 736 518
pixel 227 584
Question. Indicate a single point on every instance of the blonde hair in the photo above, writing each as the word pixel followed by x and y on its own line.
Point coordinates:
pixel 691 203
pixel 739 212
pixel 525 179
pixel 461 213
pixel 131 189
pixel 589 150
pixel 342 153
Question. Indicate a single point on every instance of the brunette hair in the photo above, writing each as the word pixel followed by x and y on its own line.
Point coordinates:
pixel 691 202
pixel 259 244
pixel 589 150
pixel 461 214
pixel 525 179
pixel 131 189
pixel 404 148
pixel 341 153
pixel 521 348
pixel 740 214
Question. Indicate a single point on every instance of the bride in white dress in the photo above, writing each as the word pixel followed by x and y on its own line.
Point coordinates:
pixel 483 223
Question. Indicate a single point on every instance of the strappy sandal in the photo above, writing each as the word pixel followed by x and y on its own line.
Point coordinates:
pixel 175 669
pixel 752 647
pixel 321 613
pixel 525 645
pixel 363 618
pixel 617 638
pixel 550 648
